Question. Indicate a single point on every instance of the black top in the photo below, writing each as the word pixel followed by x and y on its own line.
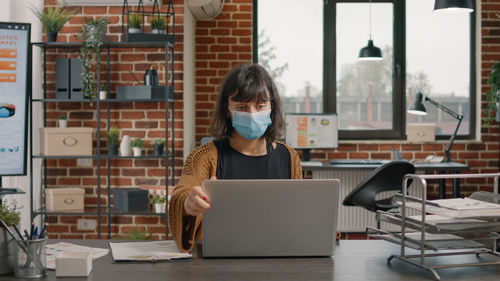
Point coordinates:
pixel 231 164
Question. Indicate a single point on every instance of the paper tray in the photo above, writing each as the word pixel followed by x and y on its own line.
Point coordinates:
pixel 433 241
pixel 451 225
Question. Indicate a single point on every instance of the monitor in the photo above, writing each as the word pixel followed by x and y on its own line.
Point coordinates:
pixel 311 130
pixel 14 88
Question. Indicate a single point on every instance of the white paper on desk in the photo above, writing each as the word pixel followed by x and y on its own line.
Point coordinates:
pixel 53 249
pixel 439 220
pixel 465 204
pixel 146 251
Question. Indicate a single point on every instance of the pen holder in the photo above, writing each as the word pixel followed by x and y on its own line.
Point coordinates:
pixel 30 260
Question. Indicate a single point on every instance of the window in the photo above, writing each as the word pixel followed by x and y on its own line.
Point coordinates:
pixel 316 67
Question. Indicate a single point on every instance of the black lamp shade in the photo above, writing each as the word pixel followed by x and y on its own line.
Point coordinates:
pixel 453 6
pixel 417 108
pixel 370 52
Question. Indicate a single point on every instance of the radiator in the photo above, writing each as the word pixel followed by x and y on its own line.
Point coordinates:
pixel 354 218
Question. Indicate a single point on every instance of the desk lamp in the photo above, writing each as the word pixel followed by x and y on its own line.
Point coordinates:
pixel 418 108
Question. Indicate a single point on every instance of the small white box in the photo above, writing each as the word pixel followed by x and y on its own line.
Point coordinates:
pixel 421 132
pixel 73 264
pixel 66 141
pixel 65 199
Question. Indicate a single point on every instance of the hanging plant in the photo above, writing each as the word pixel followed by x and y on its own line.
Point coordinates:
pixel 492 94
pixel 92 36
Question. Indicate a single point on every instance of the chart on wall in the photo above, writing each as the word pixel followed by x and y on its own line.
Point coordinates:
pixel 14 56
pixel 311 130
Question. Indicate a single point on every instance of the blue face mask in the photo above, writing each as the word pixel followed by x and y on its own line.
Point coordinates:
pixel 251 125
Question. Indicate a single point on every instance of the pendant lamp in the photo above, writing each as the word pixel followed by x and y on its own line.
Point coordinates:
pixel 453 6
pixel 370 52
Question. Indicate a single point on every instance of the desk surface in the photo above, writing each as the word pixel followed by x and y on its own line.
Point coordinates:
pixel 445 166
pixel 354 260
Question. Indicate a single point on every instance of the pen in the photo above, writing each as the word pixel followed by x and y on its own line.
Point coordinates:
pixel 32 229
pixel 18 233
pixel 35 232
pixel 26 234
pixel 42 233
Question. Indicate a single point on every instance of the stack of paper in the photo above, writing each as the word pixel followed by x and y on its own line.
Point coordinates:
pixel 465 204
pixel 146 251
pixel 54 249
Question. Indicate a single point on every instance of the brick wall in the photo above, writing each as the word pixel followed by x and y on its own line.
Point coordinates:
pixel 143 120
pixel 221 44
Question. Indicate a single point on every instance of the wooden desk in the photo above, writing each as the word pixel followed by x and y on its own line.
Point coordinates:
pixel 355 260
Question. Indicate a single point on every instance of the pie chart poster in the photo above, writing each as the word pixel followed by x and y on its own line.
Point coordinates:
pixel 14 47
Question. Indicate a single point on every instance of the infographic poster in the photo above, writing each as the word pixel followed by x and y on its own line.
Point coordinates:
pixel 311 130
pixel 14 48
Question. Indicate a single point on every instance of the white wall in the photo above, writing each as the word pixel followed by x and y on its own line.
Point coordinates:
pixel 189 81
pixel 17 11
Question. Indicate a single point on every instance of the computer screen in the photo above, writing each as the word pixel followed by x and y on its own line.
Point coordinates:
pixel 311 130
pixel 14 88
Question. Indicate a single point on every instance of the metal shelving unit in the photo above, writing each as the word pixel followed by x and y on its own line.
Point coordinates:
pixel 169 112
pixel 441 231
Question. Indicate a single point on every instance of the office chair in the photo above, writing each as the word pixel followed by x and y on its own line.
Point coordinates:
pixel 385 178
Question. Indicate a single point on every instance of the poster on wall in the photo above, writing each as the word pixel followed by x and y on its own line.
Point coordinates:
pixel 14 86
pixel 311 130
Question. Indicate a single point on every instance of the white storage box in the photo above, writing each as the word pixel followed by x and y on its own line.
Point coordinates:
pixel 421 132
pixel 73 264
pixel 65 199
pixel 66 141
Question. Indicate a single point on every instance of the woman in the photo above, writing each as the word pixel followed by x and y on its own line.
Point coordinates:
pixel 246 123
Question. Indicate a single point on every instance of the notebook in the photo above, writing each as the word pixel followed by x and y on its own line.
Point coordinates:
pixel 270 218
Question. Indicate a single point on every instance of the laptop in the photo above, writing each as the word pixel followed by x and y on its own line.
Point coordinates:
pixel 270 218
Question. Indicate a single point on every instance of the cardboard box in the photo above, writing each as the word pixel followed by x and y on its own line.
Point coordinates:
pixel 421 132
pixel 65 199
pixel 73 264
pixel 66 141
pixel 130 199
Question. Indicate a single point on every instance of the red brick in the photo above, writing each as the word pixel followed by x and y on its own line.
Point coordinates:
pixel 146 220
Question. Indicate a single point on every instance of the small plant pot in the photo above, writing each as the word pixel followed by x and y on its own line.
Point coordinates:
pixel 103 95
pixel 134 30
pixel 51 36
pixel 113 150
pixel 159 208
pixel 63 123
pixel 158 150
pixel 158 31
pixel 137 151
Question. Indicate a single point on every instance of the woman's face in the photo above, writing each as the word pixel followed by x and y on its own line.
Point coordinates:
pixel 249 107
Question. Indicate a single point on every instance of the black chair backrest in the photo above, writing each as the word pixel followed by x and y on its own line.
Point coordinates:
pixel 386 177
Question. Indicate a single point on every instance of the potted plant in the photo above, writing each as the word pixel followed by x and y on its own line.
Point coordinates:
pixel 492 95
pixel 134 23
pixel 158 145
pixel 158 25
pixel 9 213
pixel 159 203
pixel 62 121
pixel 137 144
pixel 92 35
pixel 103 92
pixel 53 20
pixel 112 137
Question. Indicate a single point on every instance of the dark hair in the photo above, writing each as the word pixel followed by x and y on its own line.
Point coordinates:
pixel 250 82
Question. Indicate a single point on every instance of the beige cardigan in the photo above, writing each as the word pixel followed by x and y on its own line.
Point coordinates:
pixel 201 165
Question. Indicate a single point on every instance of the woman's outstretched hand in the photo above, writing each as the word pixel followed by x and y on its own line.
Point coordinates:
pixel 197 201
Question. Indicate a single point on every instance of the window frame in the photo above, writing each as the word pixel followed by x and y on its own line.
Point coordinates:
pixel 398 131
